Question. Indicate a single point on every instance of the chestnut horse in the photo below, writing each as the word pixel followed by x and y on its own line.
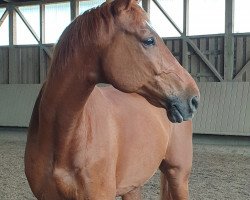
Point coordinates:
pixel 87 142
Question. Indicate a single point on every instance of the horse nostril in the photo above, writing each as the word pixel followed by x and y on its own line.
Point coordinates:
pixel 194 102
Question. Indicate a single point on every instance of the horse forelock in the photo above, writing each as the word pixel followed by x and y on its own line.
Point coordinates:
pixel 92 27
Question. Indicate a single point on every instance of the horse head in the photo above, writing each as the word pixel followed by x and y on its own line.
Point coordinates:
pixel 136 60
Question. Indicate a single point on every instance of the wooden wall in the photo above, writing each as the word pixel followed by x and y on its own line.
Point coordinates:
pixel 4 65
pixel 242 55
pixel 211 46
pixel 29 64
pixel 23 64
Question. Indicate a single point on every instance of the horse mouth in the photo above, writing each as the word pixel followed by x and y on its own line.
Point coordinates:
pixel 174 115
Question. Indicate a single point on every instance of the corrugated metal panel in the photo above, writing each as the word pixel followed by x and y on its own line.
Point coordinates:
pixel 16 104
pixel 224 109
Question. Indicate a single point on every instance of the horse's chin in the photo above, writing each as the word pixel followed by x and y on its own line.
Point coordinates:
pixel 175 115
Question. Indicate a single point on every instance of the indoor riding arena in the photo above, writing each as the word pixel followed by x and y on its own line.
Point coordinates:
pixel 209 38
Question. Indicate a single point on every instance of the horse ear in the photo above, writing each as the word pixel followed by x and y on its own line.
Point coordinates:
pixel 120 5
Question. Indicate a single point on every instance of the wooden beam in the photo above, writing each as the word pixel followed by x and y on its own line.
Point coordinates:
pixel 11 1
pixel 146 6
pixel 3 17
pixel 31 2
pixel 185 33
pixel 242 71
pixel 33 32
pixel 12 25
pixel 13 78
pixel 15 1
pixel 204 59
pixel 27 24
pixel 18 3
pixel 185 17
pixel 229 41
pixel 54 1
pixel 74 9
pixel 42 61
pixel 47 51
pixel 42 23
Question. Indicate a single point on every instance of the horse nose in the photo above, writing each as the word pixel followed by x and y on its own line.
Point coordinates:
pixel 194 103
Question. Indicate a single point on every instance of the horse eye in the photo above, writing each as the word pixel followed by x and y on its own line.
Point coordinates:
pixel 149 41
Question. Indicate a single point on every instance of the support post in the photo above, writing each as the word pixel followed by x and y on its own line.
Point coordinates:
pixel 74 9
pixel 229 41
pixel 3 17
pixel 13 70
pixel 12 25
pixel 42 60
pixel 146 6
pixel 185 33
pixel 42 23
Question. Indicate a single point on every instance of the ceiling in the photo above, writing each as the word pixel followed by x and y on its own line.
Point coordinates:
pixel 10 1
pixel 4 2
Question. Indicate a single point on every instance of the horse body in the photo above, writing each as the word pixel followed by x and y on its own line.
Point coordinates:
pixel 134 145
pixel 121 152
pixel 88 142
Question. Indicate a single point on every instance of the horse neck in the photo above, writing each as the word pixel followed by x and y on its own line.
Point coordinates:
pixel 61 110
pixel 67 91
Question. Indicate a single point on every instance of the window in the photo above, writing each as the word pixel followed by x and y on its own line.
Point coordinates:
pixel 31 14
pixel 57 17
pixel 242 16
pixel 206 17
pixel 86 5
pixel 160 23
pixel 4 29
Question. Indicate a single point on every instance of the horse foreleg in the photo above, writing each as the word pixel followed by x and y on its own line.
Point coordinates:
pixel 133 195
pixel 174 185
pixel 176 166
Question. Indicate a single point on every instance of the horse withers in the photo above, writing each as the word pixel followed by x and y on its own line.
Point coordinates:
pixel 89 142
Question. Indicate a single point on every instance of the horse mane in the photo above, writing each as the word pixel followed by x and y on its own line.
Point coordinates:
pixel 85 31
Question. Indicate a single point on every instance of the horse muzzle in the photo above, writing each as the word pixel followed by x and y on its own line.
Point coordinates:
pixel 181 110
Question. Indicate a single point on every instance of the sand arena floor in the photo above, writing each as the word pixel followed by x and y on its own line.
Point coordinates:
pixel 219 172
